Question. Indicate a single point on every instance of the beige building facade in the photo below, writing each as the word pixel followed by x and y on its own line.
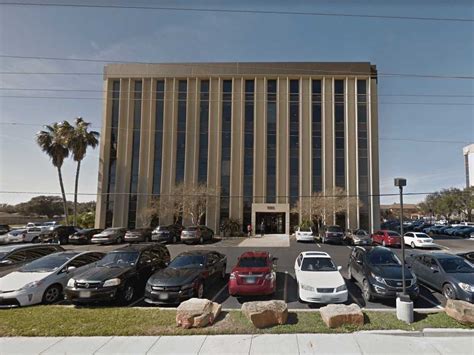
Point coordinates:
pixel 263 135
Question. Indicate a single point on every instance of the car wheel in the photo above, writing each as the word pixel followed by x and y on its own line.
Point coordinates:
pixel 52 294
pixel 35 240
pixel 128 293
pixel 412 245
pixel 200 290
pixel 449 292
pixel 366 291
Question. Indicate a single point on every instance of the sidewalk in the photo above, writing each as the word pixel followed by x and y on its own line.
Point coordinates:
pixel 429 342
pixel 268 240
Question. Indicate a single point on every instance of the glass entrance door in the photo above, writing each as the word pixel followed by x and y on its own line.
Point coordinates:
pixel 273 222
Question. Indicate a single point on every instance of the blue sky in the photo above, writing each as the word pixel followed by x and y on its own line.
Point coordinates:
pixel 395 46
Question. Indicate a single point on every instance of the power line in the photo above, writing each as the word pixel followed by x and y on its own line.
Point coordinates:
pixel 248 11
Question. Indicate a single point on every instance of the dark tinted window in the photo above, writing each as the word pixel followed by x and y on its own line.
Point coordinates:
pixel 382 257
pixel 294 104
pixel 17 256
pixel 119 259
pixel 252 262
pixel 455 265
pixel 271 139
pixel 318 264
pixel 84 260
pixel 226 138
pixel 160 100
pixel 334 229
pixel 48 263
pixel 393 234
pixel 203 131
pixel 187 261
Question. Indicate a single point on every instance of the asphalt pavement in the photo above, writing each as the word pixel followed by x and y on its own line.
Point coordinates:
pixel 286 282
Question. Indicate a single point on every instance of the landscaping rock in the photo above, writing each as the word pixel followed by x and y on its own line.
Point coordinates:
pixel 197 313
pixel 461 311
pixel 266 313
pixel 335 315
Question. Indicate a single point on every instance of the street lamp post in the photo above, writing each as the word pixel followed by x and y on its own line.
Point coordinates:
pixel 404 304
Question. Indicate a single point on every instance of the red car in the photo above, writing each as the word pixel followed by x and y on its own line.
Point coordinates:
pixel 253 275
pixel 387 238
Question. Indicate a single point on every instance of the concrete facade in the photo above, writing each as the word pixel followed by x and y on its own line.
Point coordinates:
pixel 126 185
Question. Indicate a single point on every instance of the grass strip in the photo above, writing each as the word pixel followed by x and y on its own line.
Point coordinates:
pixel 69 321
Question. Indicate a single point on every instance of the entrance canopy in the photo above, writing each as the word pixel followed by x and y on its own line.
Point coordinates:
pixel 275 217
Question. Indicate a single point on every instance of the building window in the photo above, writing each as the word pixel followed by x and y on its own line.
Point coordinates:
pixel 339 131
pixel 316 99
pixel 248 151
pixel 203 131
pixel 110 199
pixel 225 147
pixel 294 102
pixel 362 152
pixel 160 100
pixel 271 140
pixel 181 134
pixel 137 117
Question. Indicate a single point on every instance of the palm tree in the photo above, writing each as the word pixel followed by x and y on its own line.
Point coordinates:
pixel 79 138
pixel 52 142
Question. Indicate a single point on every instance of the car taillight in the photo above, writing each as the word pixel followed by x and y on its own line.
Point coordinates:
pixel 233 275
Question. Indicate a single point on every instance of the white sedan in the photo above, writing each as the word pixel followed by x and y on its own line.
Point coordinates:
pixel 14 236
pixel 319 280
pixel 303 234
pixel 43 280
pixel 418 240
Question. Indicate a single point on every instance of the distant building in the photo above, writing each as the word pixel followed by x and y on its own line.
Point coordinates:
pixel 410 210
pixel 469 164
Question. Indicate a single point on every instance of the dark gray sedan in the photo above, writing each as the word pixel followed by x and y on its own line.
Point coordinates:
pixel 450 274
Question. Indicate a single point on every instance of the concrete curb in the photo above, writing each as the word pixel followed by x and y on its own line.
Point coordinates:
pixel 427 332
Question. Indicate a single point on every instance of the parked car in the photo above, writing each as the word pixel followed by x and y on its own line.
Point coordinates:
pixel 188 275
pixel 13 236
pixel 138 235
pixel 304 234
pixel 109 236
pixel 119 276
pixel 32 234
pixel 318 279
pixel 332 234
pixel 418 240
pixel 387 238
pixel 83 236
pixel 197 234
pixel 469 256
pixel 433 230
pixel 59 234
pixel 254 274
pixel 442 230
pixel 450 274
pixel 421 226
pixel 379 273
pixel 13 257
pixel 358 237
pixel 43 280
pixel 464 232
pixel 167 234
pixel 449 230
pixel 4 228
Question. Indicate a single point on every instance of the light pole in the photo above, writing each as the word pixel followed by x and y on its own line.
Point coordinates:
pixel 404 304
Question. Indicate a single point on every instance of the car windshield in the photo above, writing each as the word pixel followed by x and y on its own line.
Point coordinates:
pixel 334 229
pixel 383 257
pixel 47 263
pixel 187 261
pixel 318 264
pixel 393 234
pixel 252 262
pixel 119 259
pixel 455 265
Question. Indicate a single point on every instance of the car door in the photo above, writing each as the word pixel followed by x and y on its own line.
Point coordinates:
pixel 357 271
pixel 212 265
pixel 298 262
pixel 435 273
pixel 145 267
pixel 408 238
pixel 423 270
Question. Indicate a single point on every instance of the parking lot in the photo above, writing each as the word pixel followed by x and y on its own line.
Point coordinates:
pixel 286 282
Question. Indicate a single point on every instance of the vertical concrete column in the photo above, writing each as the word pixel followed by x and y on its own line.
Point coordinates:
pixel 374 156
pixel 145 159
pixel 169 145
pixel 104 160
pixel 305 142
pixel 260 142
pixel 328 137
pixel 124 151
pixel 351 151
pixel 282 176
pixel 213 166
pixel 236 169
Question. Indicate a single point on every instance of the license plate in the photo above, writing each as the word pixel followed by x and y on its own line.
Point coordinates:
pixel 84 294
pixel 163 296
pixel 251 280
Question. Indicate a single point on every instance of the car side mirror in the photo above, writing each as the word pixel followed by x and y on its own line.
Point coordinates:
pixel 70 268
pixel 339 268
pixel 359 262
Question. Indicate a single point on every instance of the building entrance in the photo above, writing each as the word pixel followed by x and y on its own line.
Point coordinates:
pixel 274 222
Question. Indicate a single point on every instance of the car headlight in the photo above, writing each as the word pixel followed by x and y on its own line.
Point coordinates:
pixel 71 283
pixel 378 278
pixel 32 285
pixel 341 288
pixel 466 287
pixel 112 282
pixel 306 287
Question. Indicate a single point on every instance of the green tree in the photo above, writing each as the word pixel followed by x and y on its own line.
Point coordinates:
pixel 41 205
pixel 53 142
pixel 78 139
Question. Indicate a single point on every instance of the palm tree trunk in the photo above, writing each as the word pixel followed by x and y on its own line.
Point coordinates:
pixel 76 184
pixel 63 193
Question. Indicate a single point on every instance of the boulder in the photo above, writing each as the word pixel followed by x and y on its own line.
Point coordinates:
pixel 335 315
pixel 266 313
pixel 462 311
pixel 197 313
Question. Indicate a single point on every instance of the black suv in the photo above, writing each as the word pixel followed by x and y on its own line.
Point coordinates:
pixel 59 234
pixel 13 257
pixel 379 271
pixel 167 234
pixel 334 234
pixel 119 276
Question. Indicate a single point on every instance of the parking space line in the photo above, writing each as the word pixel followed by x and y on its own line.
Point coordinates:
pixel 349 247
pixel 136 302
pixel 319 246
pixel 221 290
